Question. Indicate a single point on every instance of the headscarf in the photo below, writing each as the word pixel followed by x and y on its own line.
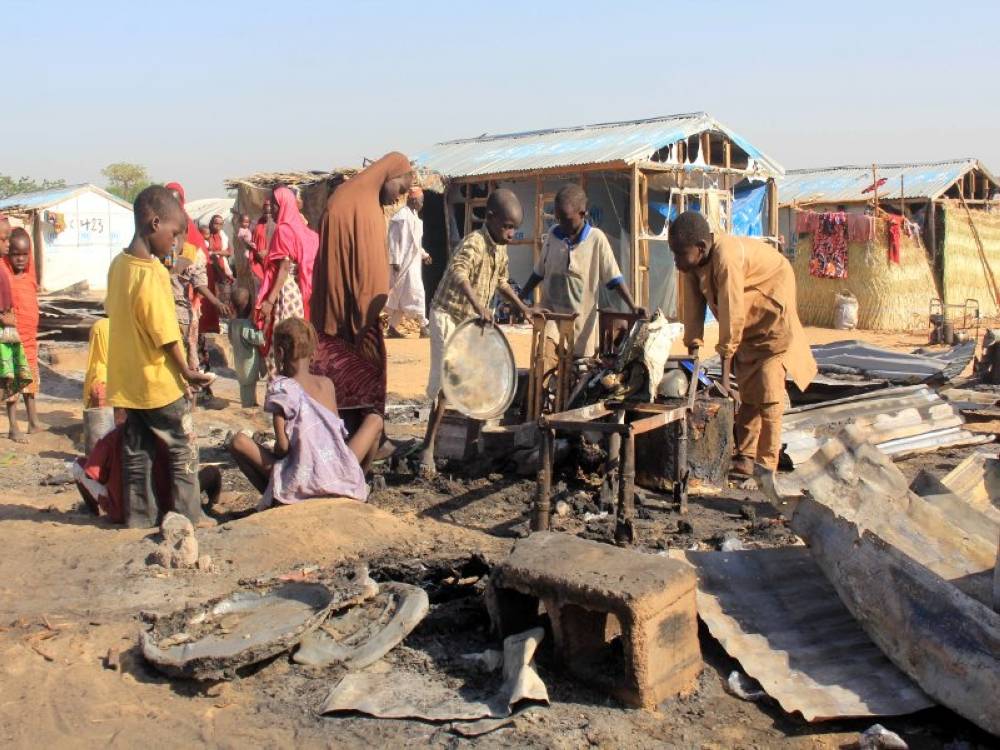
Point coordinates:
pixel 351 282
pixel 293 240
pixel 193 235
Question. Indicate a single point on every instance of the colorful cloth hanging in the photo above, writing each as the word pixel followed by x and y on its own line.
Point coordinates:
pixel 829 251
pixel 894 224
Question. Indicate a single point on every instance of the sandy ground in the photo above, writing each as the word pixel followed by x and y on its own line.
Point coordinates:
pixel 72 588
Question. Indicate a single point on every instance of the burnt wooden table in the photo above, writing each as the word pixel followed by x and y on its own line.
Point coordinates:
pixel 620 422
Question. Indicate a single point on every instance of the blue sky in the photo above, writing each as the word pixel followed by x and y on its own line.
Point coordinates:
pixel 203 91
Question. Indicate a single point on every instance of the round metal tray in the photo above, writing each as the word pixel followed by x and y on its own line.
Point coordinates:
pixel 479 376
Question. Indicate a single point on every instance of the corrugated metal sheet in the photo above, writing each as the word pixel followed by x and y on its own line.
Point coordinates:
pixel 845 184
pixel 854 357
pixel 775 612
pixel 900 421
pixel 589 144
pixel 45 198
pixel 918 580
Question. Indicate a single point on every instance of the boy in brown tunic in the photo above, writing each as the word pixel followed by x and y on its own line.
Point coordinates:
pixel 750 288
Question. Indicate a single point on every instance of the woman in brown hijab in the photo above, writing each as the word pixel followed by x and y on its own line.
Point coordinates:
pixel 351 283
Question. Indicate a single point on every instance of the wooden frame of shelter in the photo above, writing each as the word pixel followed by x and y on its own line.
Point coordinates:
pixel 678 160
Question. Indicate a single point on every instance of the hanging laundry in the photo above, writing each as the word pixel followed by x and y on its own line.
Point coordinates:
pixel 829 253
pixel 806 222
pixel 894 226
pixel 860 228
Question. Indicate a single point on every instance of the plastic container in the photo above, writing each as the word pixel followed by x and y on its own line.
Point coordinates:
pixel 96 424
pixel 845 311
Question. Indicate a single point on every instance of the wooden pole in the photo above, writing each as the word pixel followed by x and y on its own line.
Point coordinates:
pixel 875 185
pixel 635 220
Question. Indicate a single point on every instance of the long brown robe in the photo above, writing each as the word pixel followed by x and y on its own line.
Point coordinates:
pixel 750 288
pixel 351 278
pixel 351 286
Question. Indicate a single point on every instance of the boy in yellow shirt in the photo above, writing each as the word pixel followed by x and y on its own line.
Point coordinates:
pixel 148 370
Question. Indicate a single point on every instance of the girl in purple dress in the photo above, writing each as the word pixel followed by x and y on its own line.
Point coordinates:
pixel 312 456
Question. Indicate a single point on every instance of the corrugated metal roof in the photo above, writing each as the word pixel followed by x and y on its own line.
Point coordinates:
pixel 775 612
pixel 44 198
pixel 611 142
pixel 845 184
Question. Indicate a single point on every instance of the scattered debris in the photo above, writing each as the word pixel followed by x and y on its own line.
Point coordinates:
pixel 743 687
pixel 731 542
pixel 365 633
pixel 877 737
pixel 212 641
pixel 405 695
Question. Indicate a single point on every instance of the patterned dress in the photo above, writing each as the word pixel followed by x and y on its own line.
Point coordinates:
pixel 288 305
pixel 319 462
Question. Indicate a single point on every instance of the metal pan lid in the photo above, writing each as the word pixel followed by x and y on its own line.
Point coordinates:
pixel 479 375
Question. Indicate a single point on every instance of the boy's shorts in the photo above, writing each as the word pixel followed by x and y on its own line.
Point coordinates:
pixel 440 326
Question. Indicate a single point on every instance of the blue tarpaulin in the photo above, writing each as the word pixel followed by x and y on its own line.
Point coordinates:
pixel 748 210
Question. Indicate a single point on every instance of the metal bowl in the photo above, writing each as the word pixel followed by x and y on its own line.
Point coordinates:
pixel 479 376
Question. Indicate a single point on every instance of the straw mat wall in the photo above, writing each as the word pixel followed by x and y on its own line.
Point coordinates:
pixel 890 297
pixel 963 274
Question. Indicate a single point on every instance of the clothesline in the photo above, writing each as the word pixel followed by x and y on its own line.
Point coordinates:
pixel 833 231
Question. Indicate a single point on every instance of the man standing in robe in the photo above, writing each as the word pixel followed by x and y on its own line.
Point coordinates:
pixel 750 288
pixel 406 258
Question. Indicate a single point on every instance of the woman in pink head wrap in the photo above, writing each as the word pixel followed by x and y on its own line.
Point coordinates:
pixel 286 288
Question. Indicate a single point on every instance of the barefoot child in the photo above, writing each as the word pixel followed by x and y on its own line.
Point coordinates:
pixel 15 374
pixel 24 292
pixel 312 456
pixel 148 372
pixel 244 338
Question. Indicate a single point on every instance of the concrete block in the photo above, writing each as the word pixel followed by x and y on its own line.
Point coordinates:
pixel 623 621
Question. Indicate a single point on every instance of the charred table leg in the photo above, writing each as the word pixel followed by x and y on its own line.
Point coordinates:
pixel 625 527
pixel 681 472
pixel 540 521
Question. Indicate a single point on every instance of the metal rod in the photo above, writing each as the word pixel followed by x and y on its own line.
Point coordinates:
pixel 540 521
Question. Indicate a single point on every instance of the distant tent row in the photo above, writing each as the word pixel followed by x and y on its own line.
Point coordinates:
pixel 939 256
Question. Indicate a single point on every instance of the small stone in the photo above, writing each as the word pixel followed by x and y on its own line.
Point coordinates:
pixel 113 659
pixel 562 509
pixel 179 548
pixel 877 737
pixel 684 526
pixel 204 563
pixel 748 512
pixel 218 690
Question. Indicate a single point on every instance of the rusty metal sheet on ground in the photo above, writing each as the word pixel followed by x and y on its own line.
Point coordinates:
pixel 775 612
